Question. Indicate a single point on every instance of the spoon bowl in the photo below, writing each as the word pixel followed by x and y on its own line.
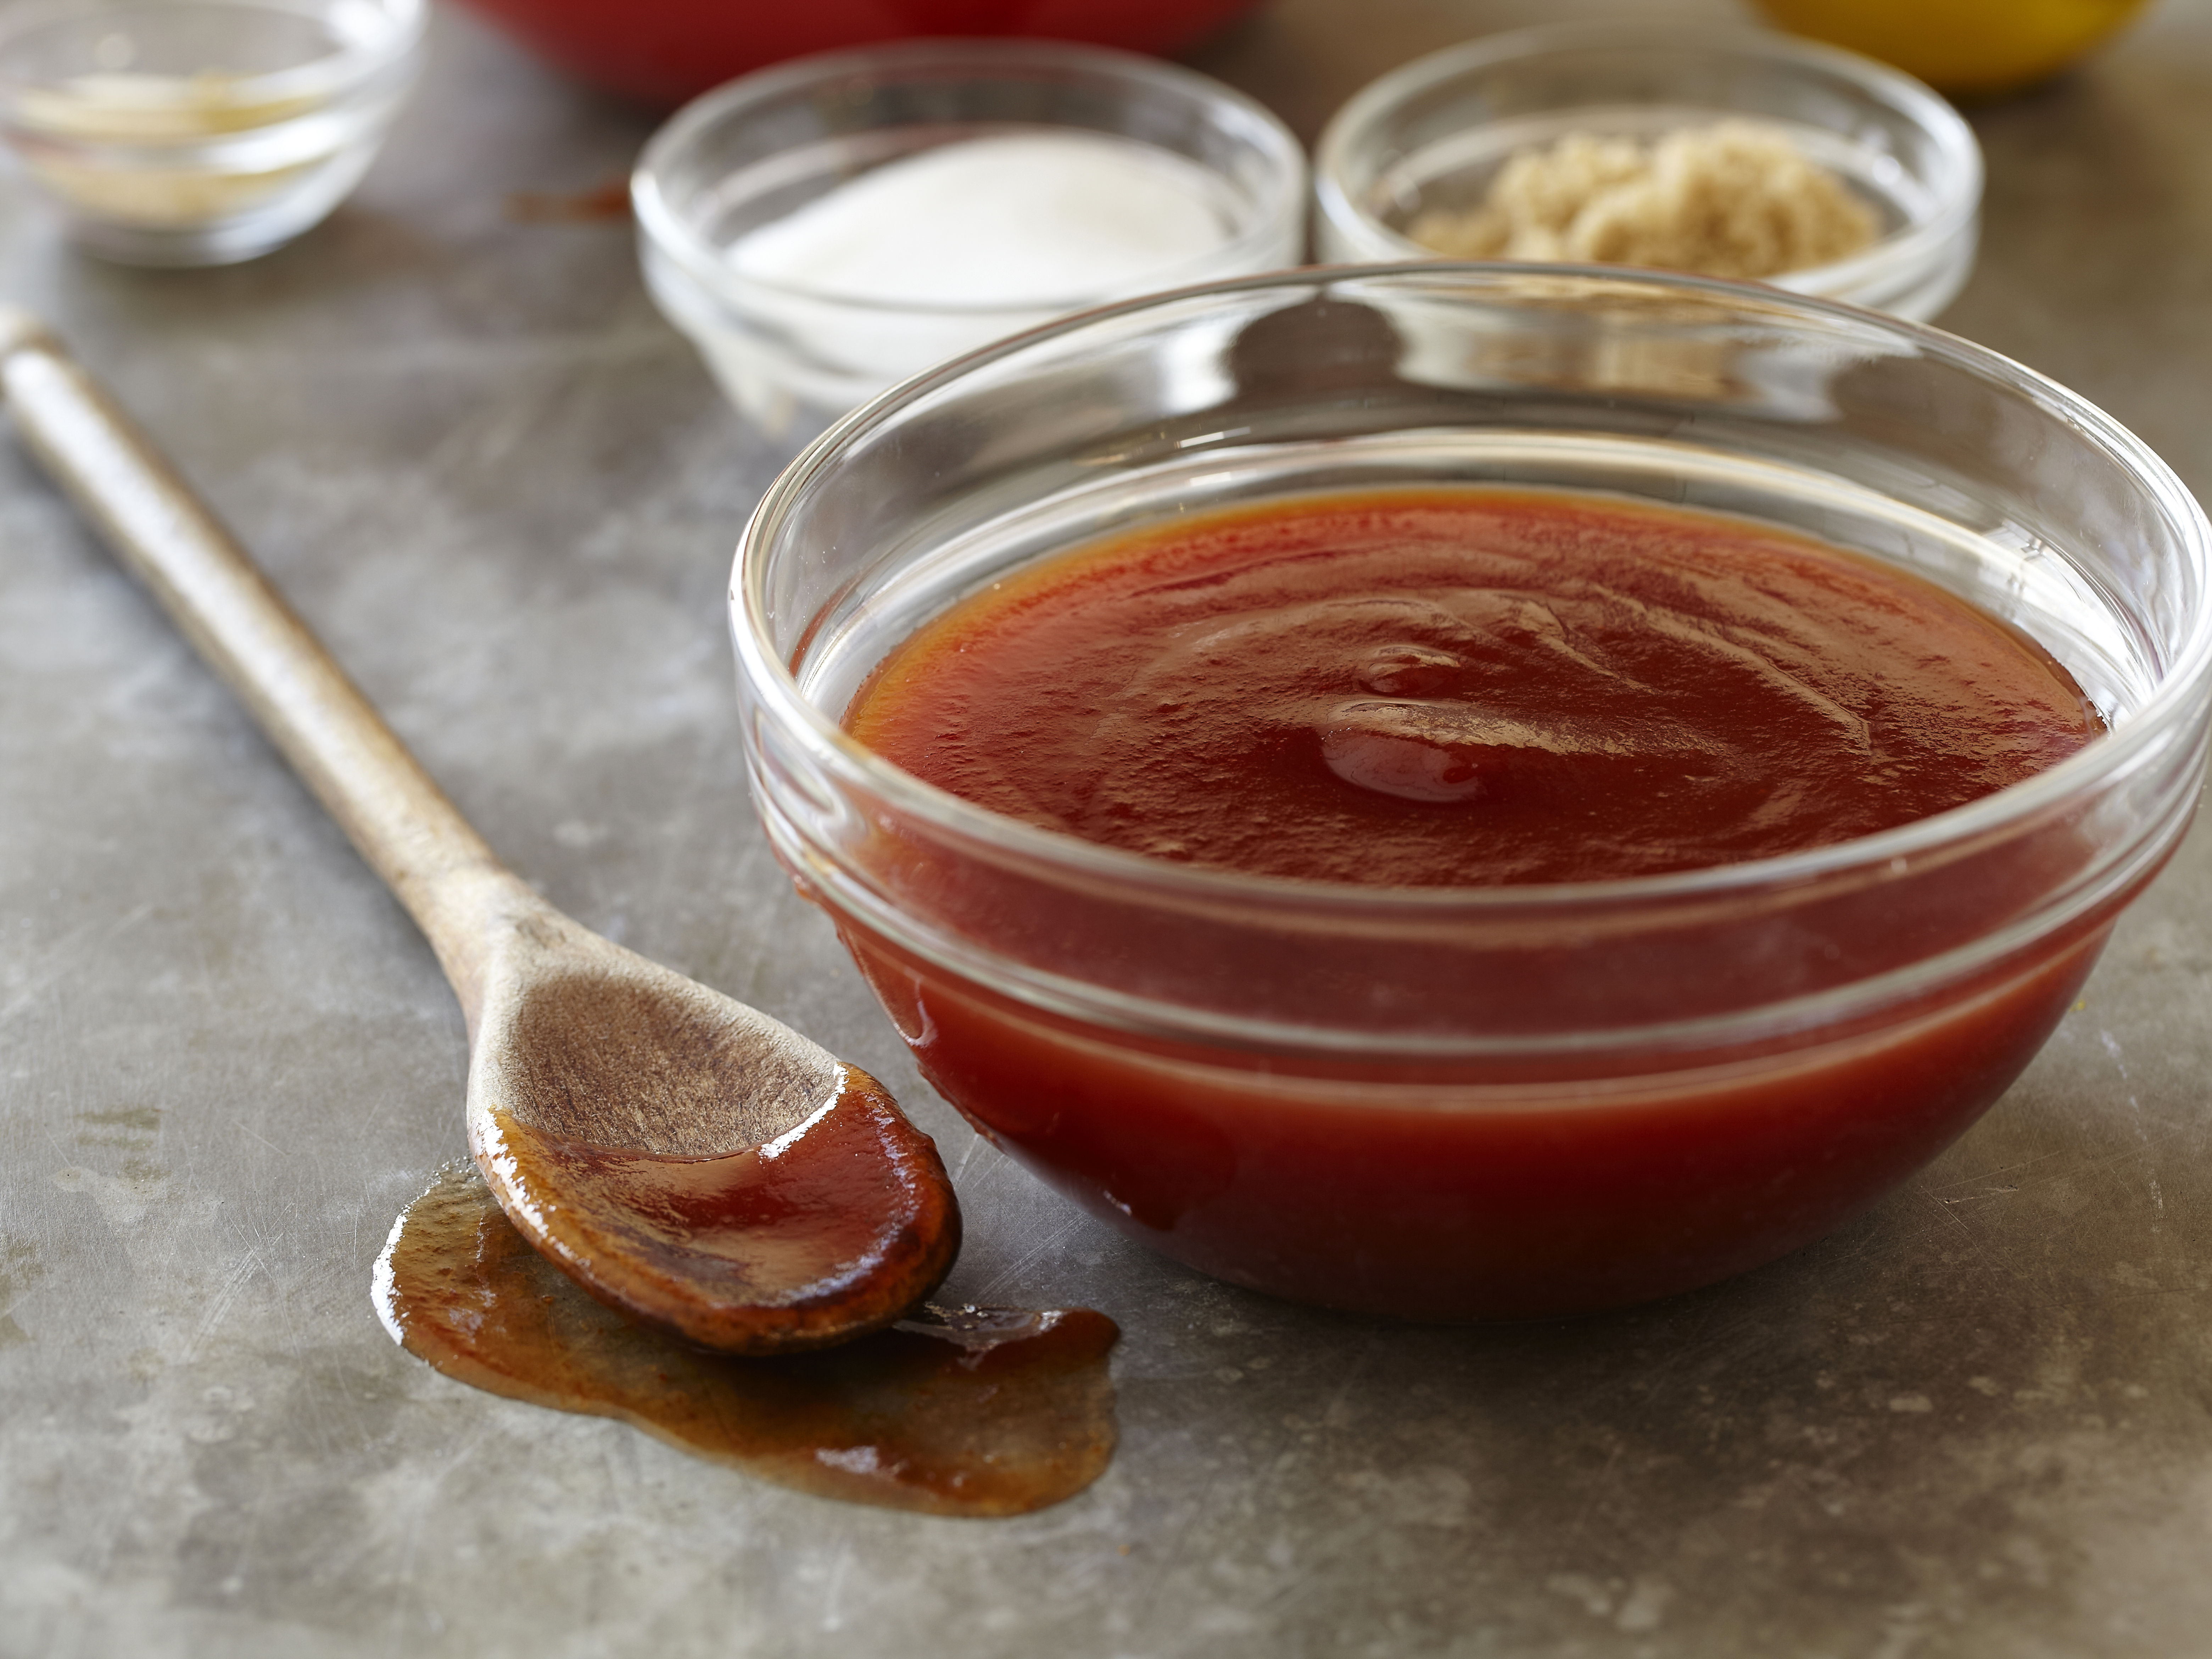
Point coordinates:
pixel 682 1158
pixel 691 1162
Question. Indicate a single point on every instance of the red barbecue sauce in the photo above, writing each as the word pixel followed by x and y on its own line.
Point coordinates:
pixel 1469 689
pixel 1455 687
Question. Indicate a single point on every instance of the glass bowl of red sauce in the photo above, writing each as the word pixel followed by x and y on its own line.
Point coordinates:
pixel 1475 792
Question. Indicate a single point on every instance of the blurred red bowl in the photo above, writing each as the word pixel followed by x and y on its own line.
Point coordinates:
pixel 667 50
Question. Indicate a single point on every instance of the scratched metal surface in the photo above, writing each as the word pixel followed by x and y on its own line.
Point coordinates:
pixel 1975 1423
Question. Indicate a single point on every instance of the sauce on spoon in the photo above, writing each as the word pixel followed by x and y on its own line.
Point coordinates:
pixel 832 1228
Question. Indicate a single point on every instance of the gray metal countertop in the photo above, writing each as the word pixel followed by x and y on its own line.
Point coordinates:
pixel 1976 1423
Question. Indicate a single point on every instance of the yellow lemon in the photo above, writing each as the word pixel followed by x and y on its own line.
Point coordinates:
pixel 1974 47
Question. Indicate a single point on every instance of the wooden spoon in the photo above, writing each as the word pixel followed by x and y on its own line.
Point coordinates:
pixel 684 1157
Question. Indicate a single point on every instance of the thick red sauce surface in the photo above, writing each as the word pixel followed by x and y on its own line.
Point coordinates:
pixel 1455 687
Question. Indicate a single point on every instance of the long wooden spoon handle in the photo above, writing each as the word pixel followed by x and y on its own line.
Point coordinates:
pixel 438 866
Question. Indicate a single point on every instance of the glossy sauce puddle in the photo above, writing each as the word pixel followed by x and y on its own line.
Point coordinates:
pixel 958 1410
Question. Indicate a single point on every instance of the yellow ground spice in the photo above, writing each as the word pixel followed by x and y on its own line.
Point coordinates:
pixel 1734 199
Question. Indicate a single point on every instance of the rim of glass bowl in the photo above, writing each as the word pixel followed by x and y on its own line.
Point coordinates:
pixel 673 232
pixel 319 78
pixel 1958 198
pixel 770 679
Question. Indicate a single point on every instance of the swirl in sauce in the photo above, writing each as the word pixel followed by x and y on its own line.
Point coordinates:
pixel 1453 687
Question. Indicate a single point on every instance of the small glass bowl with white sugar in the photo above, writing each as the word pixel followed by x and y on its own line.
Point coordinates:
pixel 824 229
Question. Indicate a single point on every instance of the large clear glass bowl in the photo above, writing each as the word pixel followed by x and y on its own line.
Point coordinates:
pixel 1509 1102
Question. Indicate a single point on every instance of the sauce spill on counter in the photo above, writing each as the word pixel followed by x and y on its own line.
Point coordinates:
pixel 957 1410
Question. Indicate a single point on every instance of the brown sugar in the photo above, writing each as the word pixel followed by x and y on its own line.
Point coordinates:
pixel 1734 199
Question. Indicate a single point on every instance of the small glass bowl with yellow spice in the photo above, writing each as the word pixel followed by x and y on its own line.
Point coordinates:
pixel 199 132
pixel 1731 153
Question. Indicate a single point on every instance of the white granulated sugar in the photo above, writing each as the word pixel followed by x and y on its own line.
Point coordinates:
pixel 1021 220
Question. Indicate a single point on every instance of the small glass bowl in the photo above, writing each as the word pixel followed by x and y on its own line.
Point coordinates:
pixel 201 132
pixel 1505 1101
pixel 769 143
pixel 1435 133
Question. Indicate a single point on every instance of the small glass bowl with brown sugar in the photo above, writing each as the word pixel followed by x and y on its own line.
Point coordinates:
pixel 1876 176
pixel 200 132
